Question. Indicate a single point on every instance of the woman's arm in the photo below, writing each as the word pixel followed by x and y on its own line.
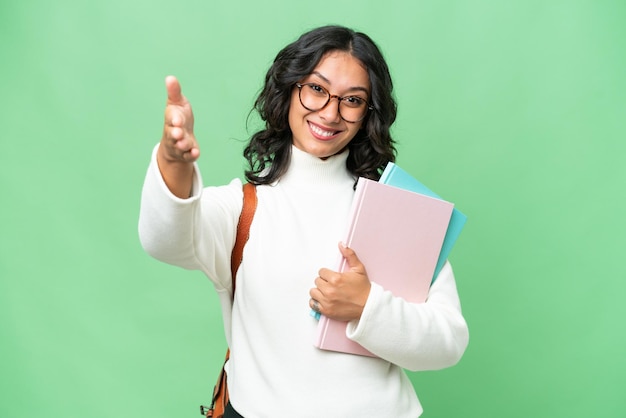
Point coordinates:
pixel 180 222
pixel 196 233
pixel 425 336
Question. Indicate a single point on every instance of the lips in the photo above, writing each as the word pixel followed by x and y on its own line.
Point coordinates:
pixel 322 133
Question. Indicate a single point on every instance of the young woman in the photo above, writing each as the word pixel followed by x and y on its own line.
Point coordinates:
pixel 327 105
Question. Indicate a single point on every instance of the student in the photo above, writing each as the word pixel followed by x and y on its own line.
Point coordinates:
pixel 327 105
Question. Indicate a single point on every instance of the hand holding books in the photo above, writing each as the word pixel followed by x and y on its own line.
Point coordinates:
pixel 333 289
pixel 402 237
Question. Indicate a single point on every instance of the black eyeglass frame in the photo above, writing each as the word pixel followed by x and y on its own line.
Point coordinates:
pixel 330 97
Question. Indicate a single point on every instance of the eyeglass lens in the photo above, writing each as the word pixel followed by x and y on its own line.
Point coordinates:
pixel 315 97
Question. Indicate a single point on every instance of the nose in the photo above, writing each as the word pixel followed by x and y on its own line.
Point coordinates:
pixel 330 112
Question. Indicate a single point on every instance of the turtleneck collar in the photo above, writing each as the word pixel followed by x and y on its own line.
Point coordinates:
pixel 307 169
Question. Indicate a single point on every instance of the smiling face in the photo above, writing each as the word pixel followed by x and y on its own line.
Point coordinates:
pixel 323 133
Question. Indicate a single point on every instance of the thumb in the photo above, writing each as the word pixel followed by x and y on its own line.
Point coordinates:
pixel 351 257
pixel 174 92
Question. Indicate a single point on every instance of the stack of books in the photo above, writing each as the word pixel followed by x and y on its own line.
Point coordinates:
pixel 403 234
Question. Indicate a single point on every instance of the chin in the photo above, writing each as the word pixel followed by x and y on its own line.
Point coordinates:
pixel 321 151
pixel 327 153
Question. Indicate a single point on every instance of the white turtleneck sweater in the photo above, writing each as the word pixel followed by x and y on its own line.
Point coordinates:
pixel 275 371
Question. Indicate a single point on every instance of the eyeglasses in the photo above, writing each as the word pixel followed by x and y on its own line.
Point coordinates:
pixel 315 97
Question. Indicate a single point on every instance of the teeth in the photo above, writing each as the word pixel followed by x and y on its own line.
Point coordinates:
pixel 320 131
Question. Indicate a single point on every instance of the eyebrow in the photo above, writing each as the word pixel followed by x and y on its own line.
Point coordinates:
pixel 326 80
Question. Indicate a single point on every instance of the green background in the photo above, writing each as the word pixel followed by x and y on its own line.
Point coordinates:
pixel 514 110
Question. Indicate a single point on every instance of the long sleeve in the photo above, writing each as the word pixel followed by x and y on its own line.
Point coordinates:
pixel 427 336
pixel 197 233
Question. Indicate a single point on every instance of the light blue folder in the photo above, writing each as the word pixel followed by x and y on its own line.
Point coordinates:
pixel 397 177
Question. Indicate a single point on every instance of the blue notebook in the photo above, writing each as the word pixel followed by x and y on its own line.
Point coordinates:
pixel 397 177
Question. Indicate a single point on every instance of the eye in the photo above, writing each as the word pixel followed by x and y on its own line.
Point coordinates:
pixel 353 101
pixel 317 89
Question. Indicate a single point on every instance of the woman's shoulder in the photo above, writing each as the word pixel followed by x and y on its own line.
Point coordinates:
pixel 230 194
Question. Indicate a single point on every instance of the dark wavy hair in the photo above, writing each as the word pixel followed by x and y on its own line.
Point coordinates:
pixel 269 150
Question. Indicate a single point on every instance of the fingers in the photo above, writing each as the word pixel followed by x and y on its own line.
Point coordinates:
pixel 174 122
pixel 315 305
pixel 330 277
pixel 317 295
pixel 322 290
pixel 174 133
pixel 178 141
pixel 315 292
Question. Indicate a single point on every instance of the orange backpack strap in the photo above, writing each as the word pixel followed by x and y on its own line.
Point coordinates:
pixel 220 391
pixel 243 229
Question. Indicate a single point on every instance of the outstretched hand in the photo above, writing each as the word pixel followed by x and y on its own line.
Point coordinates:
pixel 178 143
pixel 341 296
pixel 178 148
